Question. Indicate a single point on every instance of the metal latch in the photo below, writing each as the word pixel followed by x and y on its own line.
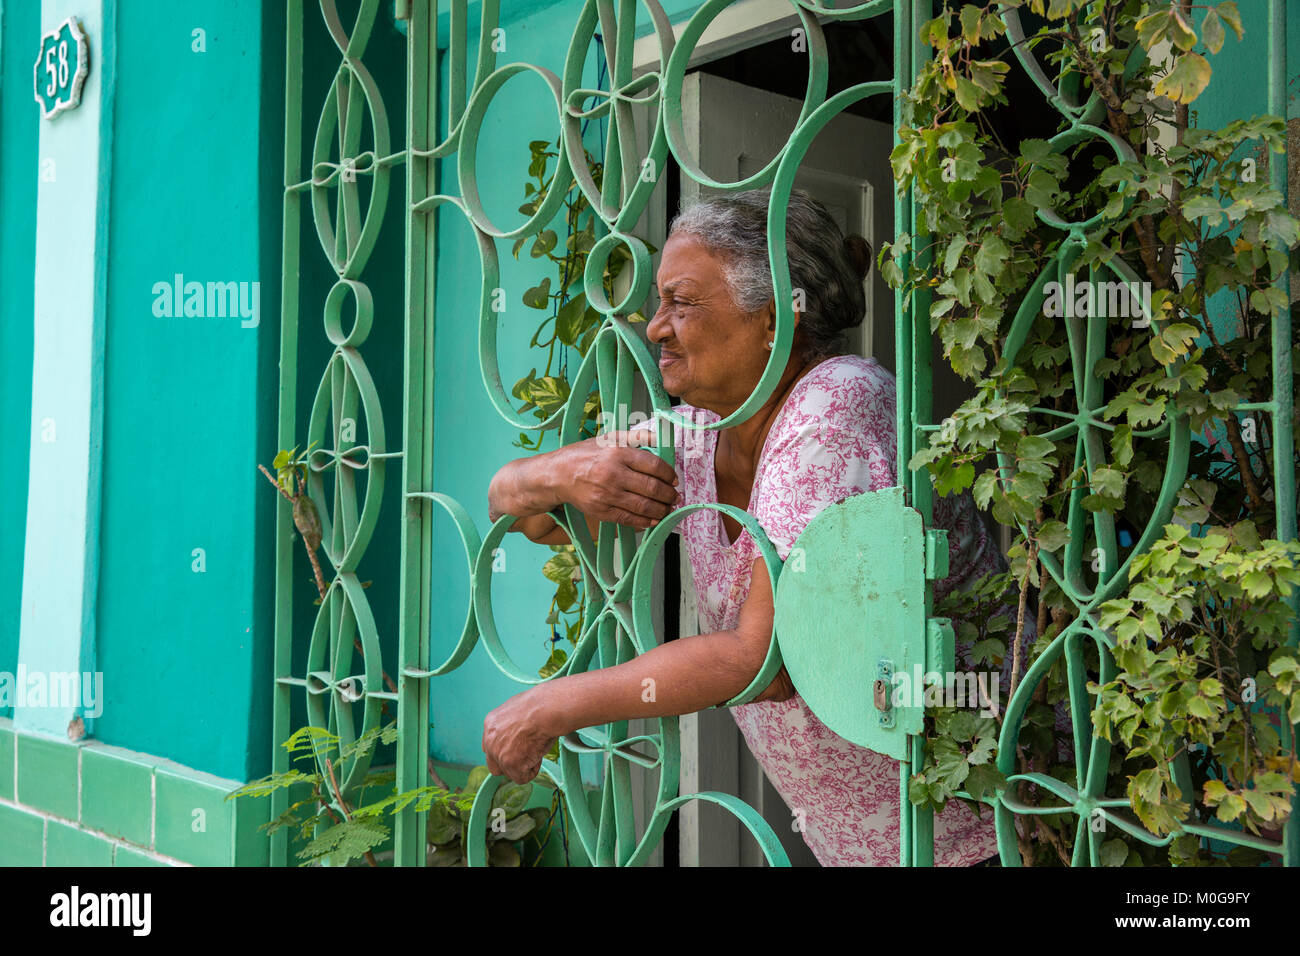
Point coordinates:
pixel 882 692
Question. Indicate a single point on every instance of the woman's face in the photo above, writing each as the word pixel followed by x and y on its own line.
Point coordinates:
pixel 712 354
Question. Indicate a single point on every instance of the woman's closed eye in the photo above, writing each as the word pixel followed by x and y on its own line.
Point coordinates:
pixel 672 304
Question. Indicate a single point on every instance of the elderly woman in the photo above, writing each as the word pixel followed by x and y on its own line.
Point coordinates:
pixel 826 433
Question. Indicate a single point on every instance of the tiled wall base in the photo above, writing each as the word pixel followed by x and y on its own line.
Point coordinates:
pixel 87 804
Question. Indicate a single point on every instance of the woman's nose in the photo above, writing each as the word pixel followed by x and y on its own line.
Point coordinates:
pixel 657 330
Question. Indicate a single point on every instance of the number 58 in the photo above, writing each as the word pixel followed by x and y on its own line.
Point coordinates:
pixel 58 74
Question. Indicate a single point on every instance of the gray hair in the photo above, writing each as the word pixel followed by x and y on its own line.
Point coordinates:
pixel 825 265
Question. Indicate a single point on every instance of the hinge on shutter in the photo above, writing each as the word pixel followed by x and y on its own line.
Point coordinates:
pixel 936 554
pixel 940 646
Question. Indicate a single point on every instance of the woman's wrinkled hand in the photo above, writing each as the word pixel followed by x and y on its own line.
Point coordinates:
pixel 611 478
pixel 516 736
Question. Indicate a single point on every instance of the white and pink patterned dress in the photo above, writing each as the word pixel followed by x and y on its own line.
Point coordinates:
pixel 834 437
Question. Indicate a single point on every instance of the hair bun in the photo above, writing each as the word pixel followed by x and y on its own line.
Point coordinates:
pixel 859 253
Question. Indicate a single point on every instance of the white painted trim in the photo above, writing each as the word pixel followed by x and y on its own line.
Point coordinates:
pixel 61 550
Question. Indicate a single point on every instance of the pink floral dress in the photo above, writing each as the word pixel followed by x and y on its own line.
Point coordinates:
pixel 834 437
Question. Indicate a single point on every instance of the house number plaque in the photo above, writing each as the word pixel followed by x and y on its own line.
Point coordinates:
pixel 61 68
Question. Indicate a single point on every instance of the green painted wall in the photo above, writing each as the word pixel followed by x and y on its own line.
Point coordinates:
pixel 19 119
pixel 189 400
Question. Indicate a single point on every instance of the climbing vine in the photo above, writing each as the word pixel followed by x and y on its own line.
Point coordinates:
pixel 1016 243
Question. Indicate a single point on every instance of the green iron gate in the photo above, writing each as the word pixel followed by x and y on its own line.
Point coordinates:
pixel 617 614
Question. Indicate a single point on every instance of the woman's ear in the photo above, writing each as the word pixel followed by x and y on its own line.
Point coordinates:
pixel 769 317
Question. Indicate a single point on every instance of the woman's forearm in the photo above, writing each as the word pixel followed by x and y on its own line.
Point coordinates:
pixel 680 677
pixel 523 488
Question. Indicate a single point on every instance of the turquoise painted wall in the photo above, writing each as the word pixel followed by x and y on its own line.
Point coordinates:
pixel 189 400
pixel 19 119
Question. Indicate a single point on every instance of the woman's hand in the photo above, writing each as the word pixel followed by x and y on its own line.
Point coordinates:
pixel 679 677
pixel 607 478
pixel 611 478
pixel 518 734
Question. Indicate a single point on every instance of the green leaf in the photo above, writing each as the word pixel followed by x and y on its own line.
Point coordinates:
pixel 570 319
pixel 1041 190
pixel 1179 31
pixel 563 567
pixel 501 853
pixel 1232 16
pixel 517 828
pixel 970 23
pixel 271 783
pixel 345 841
pixel 1034 446
pixel 475 779
pixel 543 244
pixel 953 256
pixel 1154 27
pixel 1187 80
pixel 1113 852
pixel 985 780
pixel 446 856
pixel 442 826
pixel 988 75
pixel 539 296
pixel 1212 34
pixel 512 797
pixel 985 485
pixel 992 255
pixel 969 96
pixel 1108 482
pixel 1052 535
pixel 1018 214
pixel 553 663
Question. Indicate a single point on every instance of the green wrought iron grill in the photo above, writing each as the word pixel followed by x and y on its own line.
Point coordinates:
pixel 617 568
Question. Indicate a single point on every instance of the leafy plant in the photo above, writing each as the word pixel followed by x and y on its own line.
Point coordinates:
pixel 335 832
pixel 1189 212
pixel 338 829
pixel 508 822
pixel 1205 669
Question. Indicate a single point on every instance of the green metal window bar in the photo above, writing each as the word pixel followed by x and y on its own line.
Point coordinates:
pixel 617 614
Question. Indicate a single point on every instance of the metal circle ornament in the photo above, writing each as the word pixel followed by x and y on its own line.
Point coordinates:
pixel 61 67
